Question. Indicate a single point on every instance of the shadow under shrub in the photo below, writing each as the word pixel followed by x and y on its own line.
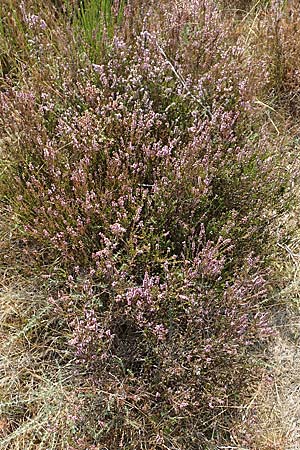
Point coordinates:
pixel 148 179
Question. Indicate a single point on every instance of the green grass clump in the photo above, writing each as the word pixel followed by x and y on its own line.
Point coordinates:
pixel 96 21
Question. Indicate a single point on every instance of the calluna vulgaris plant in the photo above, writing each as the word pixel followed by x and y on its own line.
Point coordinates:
pixel 148 178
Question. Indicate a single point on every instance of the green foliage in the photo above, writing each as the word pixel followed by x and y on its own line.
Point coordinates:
pixel 96 21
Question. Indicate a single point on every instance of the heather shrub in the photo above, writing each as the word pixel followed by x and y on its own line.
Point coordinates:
pixel 149 179
pixel 129 134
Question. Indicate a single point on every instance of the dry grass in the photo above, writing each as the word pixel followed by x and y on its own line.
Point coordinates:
pixel 36 396
pixel 277 401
